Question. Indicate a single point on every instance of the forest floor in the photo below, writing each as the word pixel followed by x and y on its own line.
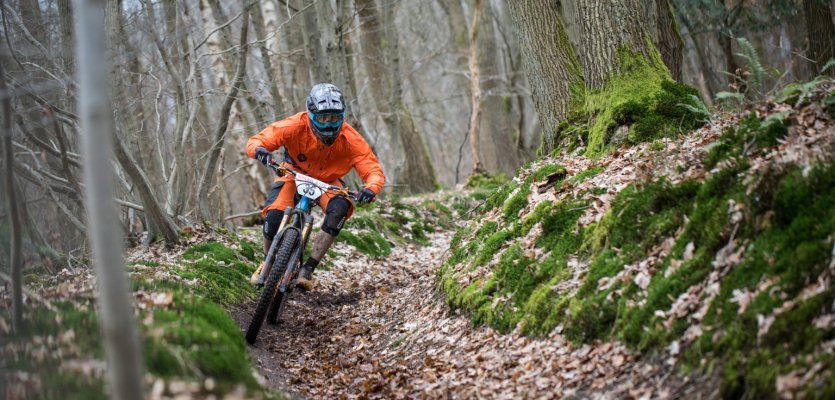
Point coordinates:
pixel 378 328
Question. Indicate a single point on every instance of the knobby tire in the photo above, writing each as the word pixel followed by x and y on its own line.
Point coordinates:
pixel 277 305
pixel 285 250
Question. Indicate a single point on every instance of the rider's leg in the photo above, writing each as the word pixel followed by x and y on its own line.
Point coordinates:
pixel 335 215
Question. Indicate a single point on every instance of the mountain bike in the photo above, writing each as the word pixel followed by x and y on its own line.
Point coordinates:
pixel 286 252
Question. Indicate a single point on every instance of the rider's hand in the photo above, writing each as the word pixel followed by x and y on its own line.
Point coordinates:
pixel 366 195
pixel 261 154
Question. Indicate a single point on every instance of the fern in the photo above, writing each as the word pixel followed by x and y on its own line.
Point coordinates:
pixel 697 107
pixel 753 60
pixel 730 95
pixel 828 65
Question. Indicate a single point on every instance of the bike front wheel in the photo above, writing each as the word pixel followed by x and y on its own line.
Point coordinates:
pixel 280 300
pixel 283 254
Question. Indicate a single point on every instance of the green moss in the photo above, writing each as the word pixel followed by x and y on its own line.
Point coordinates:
pixel 519 200
pixel 250 250
pixel 213 250
pixel 486 181
pixel 201 334
pixel 750 135
pixel 643 97
pixel 370 243
pixel 586 174
pixel 792 250
pixel 507 298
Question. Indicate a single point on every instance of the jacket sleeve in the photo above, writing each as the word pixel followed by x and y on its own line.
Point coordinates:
pixel 271 138
pixel 367 165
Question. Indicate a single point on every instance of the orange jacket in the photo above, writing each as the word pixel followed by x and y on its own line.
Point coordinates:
pixel 312 157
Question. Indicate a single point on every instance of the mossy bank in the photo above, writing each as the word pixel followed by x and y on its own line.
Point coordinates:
pixel 191 345
pixel 723 264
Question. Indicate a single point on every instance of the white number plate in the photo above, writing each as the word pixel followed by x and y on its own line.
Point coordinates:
pixel 310 187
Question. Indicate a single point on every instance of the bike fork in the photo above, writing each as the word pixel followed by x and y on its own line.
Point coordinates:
pixel 265 272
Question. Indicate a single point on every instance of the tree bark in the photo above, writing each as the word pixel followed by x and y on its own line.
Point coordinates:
pixel 220 134
pixel 125 363
pixel 15 230
pixel 497 145
pixel 821 32
pixel 553 71
pixel 668 40
pixel 65 27
pixel 263 30
pixel 475 91
pixel 30 12
pixel 313 45
pixel 606 26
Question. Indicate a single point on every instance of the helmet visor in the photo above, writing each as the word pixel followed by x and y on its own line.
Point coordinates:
pixel 328 120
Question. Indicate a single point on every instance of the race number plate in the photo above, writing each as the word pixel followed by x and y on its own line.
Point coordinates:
pixel 310 187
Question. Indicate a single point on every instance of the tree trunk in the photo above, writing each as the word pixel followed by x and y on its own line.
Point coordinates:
pixel 313 45
pixel 331 26
pixel 668 40
pixel 217 143
pixel 420 173
pixel 30 12
pixel 711 83
pixel 497 146
pixel 263 30
pixel 152 208
pixel 553 71
pixel 65 26
pixel 115 308
pixel 15 231
pixel 382 64
pixel 475 91
pixel 821 32
pixel 607 26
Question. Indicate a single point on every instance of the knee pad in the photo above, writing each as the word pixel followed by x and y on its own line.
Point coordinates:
pixel 271 223
pixel 335 215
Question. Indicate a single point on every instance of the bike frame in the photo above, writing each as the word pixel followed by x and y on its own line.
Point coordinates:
pixel 299 219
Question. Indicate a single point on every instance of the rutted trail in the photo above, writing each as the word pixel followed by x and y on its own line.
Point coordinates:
pixel 376 328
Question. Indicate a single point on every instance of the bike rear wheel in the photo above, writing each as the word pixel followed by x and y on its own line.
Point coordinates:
pixel 283 253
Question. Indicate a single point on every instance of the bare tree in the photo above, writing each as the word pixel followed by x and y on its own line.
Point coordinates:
pixel 158 219
pixel 382 61
pixel 15 251
pixel 121 340
pixel 475 90
pixel 220 135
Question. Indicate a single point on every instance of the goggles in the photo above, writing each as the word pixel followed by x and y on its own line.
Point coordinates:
pixel 331 120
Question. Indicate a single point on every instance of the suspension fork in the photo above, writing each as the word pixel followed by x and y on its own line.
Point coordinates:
pixel 265 272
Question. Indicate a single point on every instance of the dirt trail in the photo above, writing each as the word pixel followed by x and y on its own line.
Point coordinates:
pixel 388 335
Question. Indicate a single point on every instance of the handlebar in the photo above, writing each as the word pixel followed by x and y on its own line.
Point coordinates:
pixel 281 170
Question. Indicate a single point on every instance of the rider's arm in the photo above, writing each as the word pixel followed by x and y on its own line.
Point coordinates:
pixel 272 137
pixel 366 163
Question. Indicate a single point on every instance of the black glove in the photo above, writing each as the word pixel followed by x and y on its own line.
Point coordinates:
pixel 261 154
pixel 366 195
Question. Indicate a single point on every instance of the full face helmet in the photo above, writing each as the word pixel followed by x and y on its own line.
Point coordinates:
pixel 326 111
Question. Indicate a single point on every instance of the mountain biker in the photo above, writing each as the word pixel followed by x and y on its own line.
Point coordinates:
pixel 320 144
